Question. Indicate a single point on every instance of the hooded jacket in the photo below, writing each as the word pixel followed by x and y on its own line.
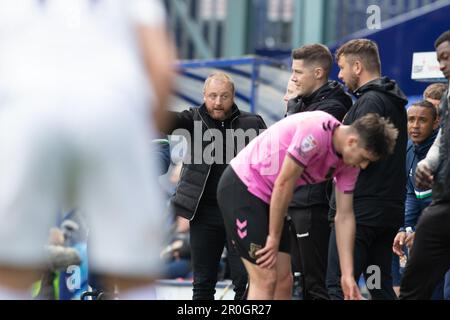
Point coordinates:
pixel 330 98
pixel 199 178
pixel 416 199
pixel 379 197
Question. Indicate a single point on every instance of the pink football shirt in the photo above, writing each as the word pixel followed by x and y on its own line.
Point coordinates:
pixel 305 137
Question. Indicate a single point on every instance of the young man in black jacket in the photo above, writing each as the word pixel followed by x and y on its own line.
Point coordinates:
pixel 379 198
pixel 311 65
pixel 215 132
pixel 430 255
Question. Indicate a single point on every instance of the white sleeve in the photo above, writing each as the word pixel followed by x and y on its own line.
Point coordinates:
pixel 147 12
pixel 432 158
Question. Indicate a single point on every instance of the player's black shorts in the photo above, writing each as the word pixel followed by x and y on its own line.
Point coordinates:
pixel 246 217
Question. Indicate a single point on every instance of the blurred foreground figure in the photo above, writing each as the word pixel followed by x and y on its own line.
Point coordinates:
pixel 83 86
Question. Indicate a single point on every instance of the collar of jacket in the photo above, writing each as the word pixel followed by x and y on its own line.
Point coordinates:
pixel 422 148
pixel 319 94
pixel 328 90
pixel 365 87
pixel 384 85
pixel 295 104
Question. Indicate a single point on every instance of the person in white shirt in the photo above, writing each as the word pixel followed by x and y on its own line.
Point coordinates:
pixel 83 87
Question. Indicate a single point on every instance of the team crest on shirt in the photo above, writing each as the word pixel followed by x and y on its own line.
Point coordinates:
pixel 308 144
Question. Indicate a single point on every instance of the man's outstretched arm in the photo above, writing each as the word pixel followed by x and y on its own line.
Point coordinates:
pixel 158 54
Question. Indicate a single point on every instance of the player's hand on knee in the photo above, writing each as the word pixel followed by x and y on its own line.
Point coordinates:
pixel 267 256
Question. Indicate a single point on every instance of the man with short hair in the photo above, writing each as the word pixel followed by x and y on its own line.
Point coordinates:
pixel 430 254
pixel 255 191
pixel 311 65
pixel 380 191
pixel 434 93
pixel 211 148
pixel 422 129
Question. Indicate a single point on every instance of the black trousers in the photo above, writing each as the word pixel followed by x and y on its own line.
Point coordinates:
pixel 312 233
pixel 208 238
pixel 429 257
pixel 373 248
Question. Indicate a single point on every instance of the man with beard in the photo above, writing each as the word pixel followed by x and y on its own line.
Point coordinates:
pixel 379 198
pixel 206 128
